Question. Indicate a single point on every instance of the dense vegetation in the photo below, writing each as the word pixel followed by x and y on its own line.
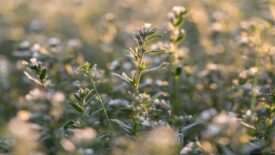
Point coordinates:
pixel 137 77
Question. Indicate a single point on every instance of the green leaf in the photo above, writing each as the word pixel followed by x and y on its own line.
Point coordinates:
pixel 35 68
pixel 164 64
pixel 151 31
pixel 77 97
pixel 154 52
pixel 129 54
pixel 126 76
pixel 126 128
pixel 77 107
pixel 71 125
pixel 192 129
pixel 178 71
pixel 153 38
pixel 32 79
pixel 180 38
pixel 179 21
pixel 43 74
pixel 122 78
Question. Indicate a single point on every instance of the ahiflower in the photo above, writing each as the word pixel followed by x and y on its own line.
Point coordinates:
pixel 33 61
pixel 147 25
pixel 178 9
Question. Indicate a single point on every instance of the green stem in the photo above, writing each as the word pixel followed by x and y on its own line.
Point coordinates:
pixel 102 104
pixel 255 83
pixel 176 79
pixel 137 81
pixel 256 78
pixel 137 76
pixel 176 82
pixel 136 125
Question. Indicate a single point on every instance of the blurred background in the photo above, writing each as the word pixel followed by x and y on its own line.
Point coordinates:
pixel 102 31
pixel 219 60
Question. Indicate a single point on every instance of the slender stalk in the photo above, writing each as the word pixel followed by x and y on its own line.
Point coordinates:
pixel 102 104
pixel 176 78
pixel 177 35
pixel 137 78
pixel 256 78
pixel 255 83
pixel 142 37
pixel 176 82
pixel 138 73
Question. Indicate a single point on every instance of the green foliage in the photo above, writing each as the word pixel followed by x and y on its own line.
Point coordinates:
pixel 202 84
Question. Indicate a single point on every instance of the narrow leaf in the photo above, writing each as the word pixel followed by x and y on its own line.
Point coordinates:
pixel 77 97
pixel 179 22
pixel 157 51
pixel 35 68
pixel 180 38
pixel 192 129
pixel 128 54
pixel 164 64
pixel 43 74
pixel 127 129
pixel 77 107
pixel 122 78
pixel 71 125
pixel 32 79
pixel 153 38
pixel 126 76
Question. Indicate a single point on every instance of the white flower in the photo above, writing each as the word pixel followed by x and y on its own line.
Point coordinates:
pixel 188 148
pixel 54 41
pixel 147 25
pixel 208 114
pixel 25 63
pixel 58 97
pixel 67 144
pixel 248 113
pixel 109 16
pixel 216 26
pixel 37 94
pixel 171 15
pixel 212 130
pixel 178 9
pixel 84 135
pixel 25 44
pixel 36 47
pixel 243 74
pixel 24 115
pixel 145 122
pixel 33 61
pixel 253 70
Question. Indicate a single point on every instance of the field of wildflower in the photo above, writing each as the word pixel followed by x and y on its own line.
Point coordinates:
pixel 137 77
